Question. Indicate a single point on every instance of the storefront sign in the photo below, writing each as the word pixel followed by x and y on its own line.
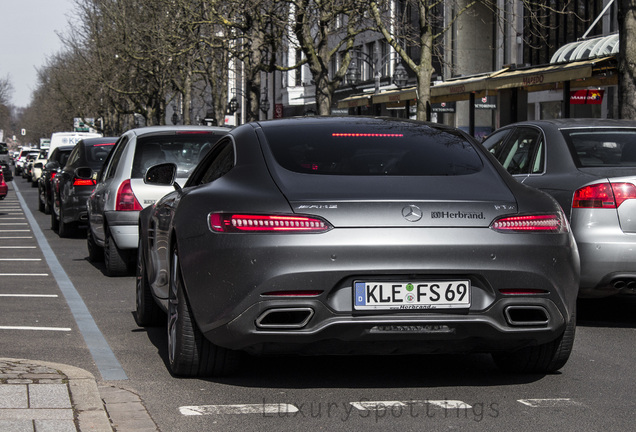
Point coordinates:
pixel 443 107
pixel 586 97
pixel 486 102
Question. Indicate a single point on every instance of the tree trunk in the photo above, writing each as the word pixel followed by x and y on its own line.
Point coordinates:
pixel 627 59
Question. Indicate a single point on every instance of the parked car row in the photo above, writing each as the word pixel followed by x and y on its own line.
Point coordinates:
pixel 355 235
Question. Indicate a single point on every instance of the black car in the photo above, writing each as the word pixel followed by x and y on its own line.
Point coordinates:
pixel 57 159
pixel 76 181
pixel 6 171
pixel 326 235
pixel 4 162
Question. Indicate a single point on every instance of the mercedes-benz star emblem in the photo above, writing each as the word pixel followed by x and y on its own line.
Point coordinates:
pixel 412 213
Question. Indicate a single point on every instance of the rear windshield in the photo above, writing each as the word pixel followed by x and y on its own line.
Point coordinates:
pixel 3 148
pixel 373 150
pixel 602 147
pixel 97 153
pixel 183 150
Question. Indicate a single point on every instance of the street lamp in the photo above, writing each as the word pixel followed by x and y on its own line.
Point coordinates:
pixel 400 77
pixel 233 105
pixel 264 104
pixel 175 117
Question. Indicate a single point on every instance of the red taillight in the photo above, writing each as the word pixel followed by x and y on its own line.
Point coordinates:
pixel 366 135
pixel 550 223
pixel 603 195
pixel 126 199
pixel 83 182
pixel 53 174
pixel 223 222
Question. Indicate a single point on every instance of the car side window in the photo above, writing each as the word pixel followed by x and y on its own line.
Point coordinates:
pixel 523 152
pixel 495 142
pixel 74 156
pixel 53 157
pixel 114 157
pixel 219 162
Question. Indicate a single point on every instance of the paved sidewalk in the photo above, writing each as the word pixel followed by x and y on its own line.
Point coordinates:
pixel 38 396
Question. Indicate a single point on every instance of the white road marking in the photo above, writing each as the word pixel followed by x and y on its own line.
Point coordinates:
pixel 238 409
pixel 10 231
pixel 17 237
pixel 30 295
pixel 20 259
pixel 64 329
pixel 381 405
pixel 24 274
pixel 17 247
pixel 549 403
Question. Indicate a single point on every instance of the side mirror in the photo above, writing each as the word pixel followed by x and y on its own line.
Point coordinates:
pixel 52 166
pixel 84 173
pixel 161 175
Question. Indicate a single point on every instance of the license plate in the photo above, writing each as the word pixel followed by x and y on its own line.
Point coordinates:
pixel 411 295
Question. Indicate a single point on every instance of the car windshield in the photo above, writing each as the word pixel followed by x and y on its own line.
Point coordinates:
pixel 373 150
pixel 602 147
pixel 185 150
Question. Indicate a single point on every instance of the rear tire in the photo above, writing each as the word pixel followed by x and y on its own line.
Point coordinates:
pixel 95 252
pixel 189 352
pixel 545 358
pixel 64 229
pixel 55 225
pixel 147 312
pixel 40 203
pixel 114 258
pixel 47 203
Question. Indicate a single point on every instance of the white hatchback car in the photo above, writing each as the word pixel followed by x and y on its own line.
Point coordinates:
pixel 38 166
pixel 121 193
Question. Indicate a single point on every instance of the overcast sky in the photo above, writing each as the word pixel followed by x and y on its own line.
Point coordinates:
pixel 28 38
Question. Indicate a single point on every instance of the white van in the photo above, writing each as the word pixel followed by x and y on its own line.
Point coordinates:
pixel 69 138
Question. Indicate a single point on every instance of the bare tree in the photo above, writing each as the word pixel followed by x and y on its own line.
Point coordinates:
pixel 325 31
pixel 6 90
pixel 627 59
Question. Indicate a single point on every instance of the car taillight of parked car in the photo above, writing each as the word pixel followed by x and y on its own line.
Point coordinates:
pixel 84 182
pixel 223 222
pixel 603 195
pixel 126 199
pixel 549 223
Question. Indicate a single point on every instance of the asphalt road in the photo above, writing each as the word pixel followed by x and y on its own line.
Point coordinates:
pixel 594 392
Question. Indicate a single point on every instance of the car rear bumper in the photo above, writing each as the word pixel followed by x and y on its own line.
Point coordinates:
pixel 75 207
pixel 229 286
pixel 124 227
pixel 328 332
pixel 608 256
pixel 607 267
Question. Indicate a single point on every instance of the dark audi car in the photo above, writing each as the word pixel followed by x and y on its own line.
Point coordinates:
pixel 72 186
pixel 353 235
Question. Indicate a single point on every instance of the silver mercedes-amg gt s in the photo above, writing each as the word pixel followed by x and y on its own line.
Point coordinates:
pixel 352 235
